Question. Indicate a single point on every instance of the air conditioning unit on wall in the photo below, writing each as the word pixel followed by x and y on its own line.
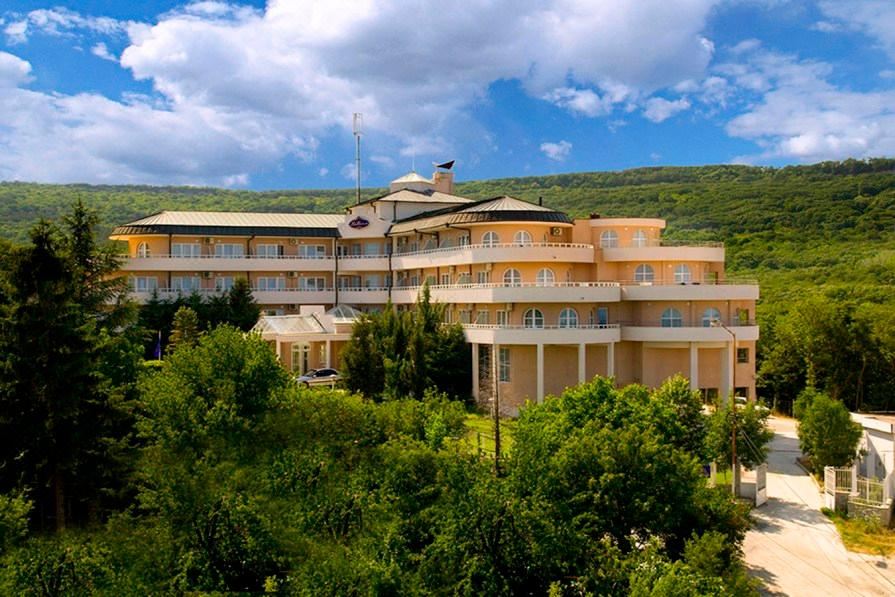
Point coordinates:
pixel 293 241
pixel 207 275
pixel 556 231
pixel 293 274
pixel 208 240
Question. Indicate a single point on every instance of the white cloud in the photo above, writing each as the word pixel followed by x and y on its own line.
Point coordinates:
pixel 237 88
pixel 100 50
pixel 348 171
pixel 323 172
pixel 13 70
pixel 659 109
pixel 800 114
pixel 875 18
pixel 557 152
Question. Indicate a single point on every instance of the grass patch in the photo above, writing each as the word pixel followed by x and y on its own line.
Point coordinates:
pixel 863 535
pixel 480 434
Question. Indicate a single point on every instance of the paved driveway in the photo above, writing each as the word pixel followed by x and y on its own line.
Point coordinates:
pixel 793 547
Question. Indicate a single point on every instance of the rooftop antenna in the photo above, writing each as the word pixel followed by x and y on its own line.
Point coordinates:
pixel 358 131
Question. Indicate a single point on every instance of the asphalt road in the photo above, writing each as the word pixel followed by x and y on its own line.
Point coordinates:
pixel 794 548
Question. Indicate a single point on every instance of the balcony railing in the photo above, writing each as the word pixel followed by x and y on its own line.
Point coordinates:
pixel 246 256
pixel 667 243
pixel 704 282
pixel 580 326
pixel 519 285
pixel 406 253
pixel 652 323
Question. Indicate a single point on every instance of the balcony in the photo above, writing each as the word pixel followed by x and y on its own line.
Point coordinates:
pixel 214 263
pixel 262 297
pixel 745 332
pixel 509 334
pixel 712 252
pixel 497 253
pixel 565 292
pixel 363 263
pixel 354 295
pixel 690 291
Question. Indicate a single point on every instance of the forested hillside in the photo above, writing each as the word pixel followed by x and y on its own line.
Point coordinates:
pixel 827 229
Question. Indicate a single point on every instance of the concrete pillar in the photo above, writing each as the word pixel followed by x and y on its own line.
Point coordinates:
pixel 279 350
pixel 540 368
pixel 610 359
pixel 694 366
pixel 582 363
pixel 327 355
pixel 725 373
pixel 475 371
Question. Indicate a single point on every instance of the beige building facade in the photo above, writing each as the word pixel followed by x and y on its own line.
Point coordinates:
pixel 545 301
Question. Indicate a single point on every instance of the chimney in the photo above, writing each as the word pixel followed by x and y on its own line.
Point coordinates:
pixel 444 182
pixel 541 201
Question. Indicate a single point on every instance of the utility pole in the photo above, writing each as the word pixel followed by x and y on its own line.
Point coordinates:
pixel 734 463
pixel 495 404
pixel 358 131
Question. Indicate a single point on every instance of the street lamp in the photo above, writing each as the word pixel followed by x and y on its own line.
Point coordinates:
pixel 734 468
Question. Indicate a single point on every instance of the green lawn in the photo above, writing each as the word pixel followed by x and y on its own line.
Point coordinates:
pixel 480 433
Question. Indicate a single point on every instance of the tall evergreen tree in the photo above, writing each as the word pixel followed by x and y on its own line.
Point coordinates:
pixel 244 311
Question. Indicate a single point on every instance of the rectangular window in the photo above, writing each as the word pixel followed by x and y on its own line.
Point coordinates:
pixel 229 250
pixel 430 280
pixel 742 316
pixel 462 241
pixel 741 392
pixel 503 318
pixel 464 279
pixel 742 355
pixel 414 280
pixel 448 316
pixel 503 373
pixel 465 316
pixel 373 281
pixel 482 277
pixel 185 283
pixel 186 250
pixel 223 283
pixel 483 317
pixel 603 316
pixel 268 251
pixel 372 249
pixel 312 283
pixel 270 283
pixel 311 251
pixel 445 279
pixel 349 281
pixel 272 312
pixel 145 283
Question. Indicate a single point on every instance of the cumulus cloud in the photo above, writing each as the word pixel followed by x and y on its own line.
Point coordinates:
pixel 100 50
pixel 659 109
pixel 296 70
pixel 800 114
pixel 875 18
pixel 557 152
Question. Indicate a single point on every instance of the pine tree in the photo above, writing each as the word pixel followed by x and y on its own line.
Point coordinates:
pixel 185 329
pixel 244 311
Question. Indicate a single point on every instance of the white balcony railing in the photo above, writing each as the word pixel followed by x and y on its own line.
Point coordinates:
pixel 435 251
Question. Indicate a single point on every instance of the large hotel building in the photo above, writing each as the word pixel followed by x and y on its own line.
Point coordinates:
pixel 554 300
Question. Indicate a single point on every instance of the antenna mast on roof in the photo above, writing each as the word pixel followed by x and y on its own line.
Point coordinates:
pixel 358 130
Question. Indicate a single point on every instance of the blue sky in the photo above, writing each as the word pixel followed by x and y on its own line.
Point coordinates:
pixel 260 95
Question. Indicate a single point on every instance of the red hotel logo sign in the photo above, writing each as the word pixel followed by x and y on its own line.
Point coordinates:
pixel 359 222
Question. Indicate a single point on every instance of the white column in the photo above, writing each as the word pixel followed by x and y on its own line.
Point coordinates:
pixel 610 359
pixel 582 363
pixel 327 355
pixel 725 373
pixel 279 348
pixel 540 367
pixel 475 371
pixel 694 366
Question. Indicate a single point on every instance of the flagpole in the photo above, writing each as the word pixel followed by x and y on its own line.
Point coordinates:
pixel 158 347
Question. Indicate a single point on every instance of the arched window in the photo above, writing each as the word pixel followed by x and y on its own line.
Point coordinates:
pixel 512 277
pixel 568 318
pixel 609 239
pixel 533 318
pixel 671 318
pixel 490 239
pixel 545 277
pixel 709 315
pixel 639 239
pixel 682 273
pixel 644 273
pixel 143 250
pixel 522 238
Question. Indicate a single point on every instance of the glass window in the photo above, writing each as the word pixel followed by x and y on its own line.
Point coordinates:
pixel 742 355
pixel 463 240
pixel 503 368
pixel 503 317
pixel 143 250
pixel 482 277
pixel 639 239
pixel 186 250
pixel 533 318
pixel 465 315
pixel 512 277
pixel 373 281
pixel 545 277
pixel 483 317
pixel 445 280
pixel 223 283
pixel 229 250
pixel 681 273
pixel 709 315
pixel 369 249
pixel 671 318
pixel 522 237
pixel 609 239
pixel 185 283
pixel 464 278
pixel 742 316
pixel 490 239
pixel 145 283
pixel 644 273
pixel 568 318
pixel 311 251
pixel 270 283
pixel 268 251
pixel 603 316
pixel 312 284
pixel 429 245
